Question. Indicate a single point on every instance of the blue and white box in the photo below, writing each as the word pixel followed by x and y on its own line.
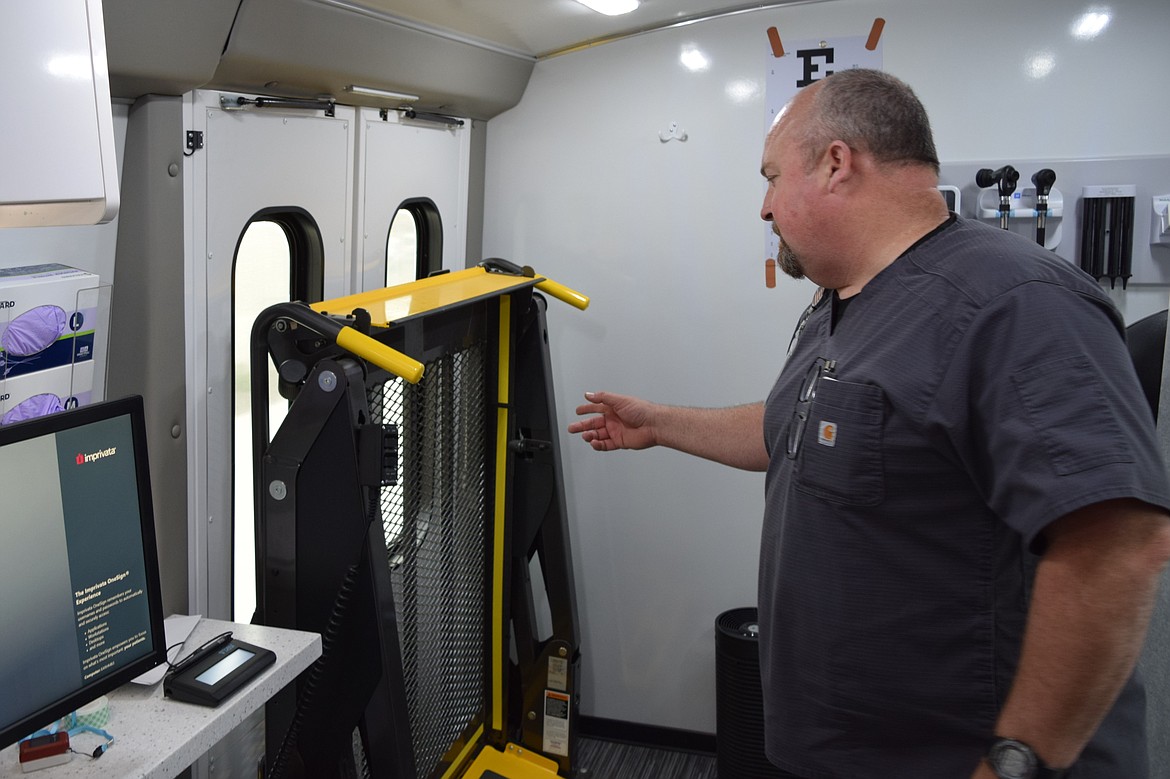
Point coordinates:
pixel 48 318
pixel 33 395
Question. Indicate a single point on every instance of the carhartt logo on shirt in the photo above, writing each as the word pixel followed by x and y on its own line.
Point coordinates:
pixel 827 434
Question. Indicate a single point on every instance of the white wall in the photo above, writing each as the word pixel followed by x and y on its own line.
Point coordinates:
pixel 667 240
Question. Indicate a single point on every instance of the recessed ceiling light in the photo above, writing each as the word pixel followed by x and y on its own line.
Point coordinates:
pixel 610 7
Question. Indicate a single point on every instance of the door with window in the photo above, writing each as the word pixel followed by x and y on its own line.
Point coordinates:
pixel 412 215
pixel 274 217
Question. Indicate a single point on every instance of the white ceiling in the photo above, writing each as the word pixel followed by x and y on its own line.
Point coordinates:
pixel 542 27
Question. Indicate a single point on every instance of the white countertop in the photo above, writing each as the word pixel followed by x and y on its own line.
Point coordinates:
pixel 160 737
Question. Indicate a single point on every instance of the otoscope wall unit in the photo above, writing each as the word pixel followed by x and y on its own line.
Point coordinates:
pixel 989 193
pixel 1024 214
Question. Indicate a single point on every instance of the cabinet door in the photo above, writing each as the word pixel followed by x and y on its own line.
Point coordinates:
pixel 58 150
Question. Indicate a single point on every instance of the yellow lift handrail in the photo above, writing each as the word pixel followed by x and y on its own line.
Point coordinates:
pixel 392 304
pixel 392 360
pixel 564 294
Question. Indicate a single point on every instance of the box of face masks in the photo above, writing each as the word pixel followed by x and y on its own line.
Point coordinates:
pixel 48 317
pixel 32 395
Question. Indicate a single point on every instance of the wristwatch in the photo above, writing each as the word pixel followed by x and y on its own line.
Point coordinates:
pixel 1012 759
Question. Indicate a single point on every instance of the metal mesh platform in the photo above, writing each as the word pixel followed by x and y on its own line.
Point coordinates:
pixel 435 523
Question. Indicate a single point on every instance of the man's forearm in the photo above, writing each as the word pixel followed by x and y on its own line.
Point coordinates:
pixel 733 436
pixel 1094 591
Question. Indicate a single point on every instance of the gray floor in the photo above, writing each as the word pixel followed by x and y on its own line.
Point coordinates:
pixel 611 760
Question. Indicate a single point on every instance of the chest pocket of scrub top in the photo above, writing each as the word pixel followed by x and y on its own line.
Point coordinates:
pixel 840 457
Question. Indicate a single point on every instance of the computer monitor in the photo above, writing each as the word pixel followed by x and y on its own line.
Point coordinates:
pixel 80 602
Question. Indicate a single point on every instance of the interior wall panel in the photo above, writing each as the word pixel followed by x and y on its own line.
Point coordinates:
pixel 666 238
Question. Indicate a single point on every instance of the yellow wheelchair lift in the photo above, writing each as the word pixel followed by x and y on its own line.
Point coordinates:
pixel 410 509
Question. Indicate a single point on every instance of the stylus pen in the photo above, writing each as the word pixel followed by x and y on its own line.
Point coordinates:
pixel 202 652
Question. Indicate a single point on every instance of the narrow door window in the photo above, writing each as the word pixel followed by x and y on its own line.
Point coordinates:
pixel 414 246
pixel 278 258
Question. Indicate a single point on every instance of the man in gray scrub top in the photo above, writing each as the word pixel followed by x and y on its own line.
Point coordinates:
pixel 962 538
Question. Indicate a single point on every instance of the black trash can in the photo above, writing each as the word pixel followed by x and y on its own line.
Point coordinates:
pixel 739 706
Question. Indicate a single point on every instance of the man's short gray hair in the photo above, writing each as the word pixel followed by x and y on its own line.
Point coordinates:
pixel 870 111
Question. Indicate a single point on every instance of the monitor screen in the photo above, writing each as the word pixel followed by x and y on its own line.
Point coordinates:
pixel 79 585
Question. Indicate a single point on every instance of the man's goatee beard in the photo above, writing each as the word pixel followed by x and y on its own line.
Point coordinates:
pixel 788 261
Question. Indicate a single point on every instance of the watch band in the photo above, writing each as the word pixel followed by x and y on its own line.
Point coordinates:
pixel 1011 758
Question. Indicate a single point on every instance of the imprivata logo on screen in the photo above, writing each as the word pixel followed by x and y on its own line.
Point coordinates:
pixel 89 458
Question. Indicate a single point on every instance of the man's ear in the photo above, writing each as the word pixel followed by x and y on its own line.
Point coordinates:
pixel 839 162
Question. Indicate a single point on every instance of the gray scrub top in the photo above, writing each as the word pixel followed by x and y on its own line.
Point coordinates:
pixel 977 389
